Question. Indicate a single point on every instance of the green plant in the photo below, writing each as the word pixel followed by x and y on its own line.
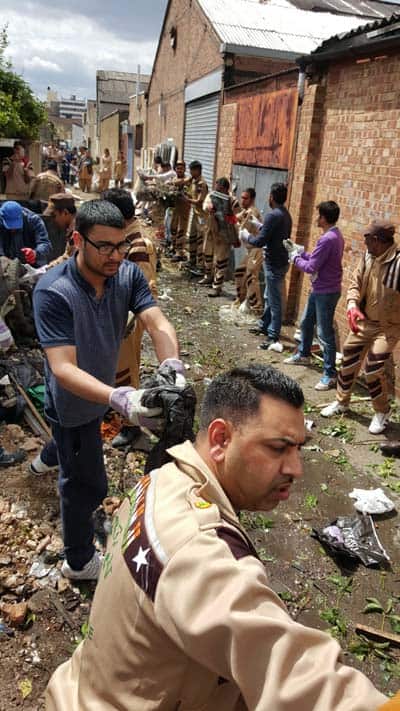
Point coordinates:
pixel 343 585
pixel 310 501
pixel 333 616
pixel 265 556
pixel 252 520
pixel 339 430
pixel 387 612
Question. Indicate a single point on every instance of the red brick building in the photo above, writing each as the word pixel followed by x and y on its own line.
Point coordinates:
pixel 348 144
pixel 208 46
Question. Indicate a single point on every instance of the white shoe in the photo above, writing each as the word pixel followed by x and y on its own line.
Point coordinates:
pixel 276 346
pixel 90 571
pixel 335 408
pixel 38 467
pixel 326 383
pixel 378 422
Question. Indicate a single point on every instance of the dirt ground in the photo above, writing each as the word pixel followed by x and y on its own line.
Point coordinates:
pixel 339 456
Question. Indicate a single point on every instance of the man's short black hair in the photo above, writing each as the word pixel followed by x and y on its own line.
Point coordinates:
pixel 195 164
pixel 236 395
pixel 98 212
pixel 157 160
pixel 122 199
pixel 330 210
pixel 278 193
pixel 223 182
pixel 52 165
pixel 251 192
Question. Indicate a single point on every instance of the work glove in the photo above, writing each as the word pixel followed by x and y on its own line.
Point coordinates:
pixel 293 250
pixel 127 401
pixel 179 368
pixel 353 316
pixel 256 223
pixel 244 237
pixel 29 254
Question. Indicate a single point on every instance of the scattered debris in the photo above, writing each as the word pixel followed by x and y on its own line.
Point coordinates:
pixel 371 501
pixel 378 634
pixel 354 537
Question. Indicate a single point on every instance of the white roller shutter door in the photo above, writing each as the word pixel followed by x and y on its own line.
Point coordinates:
pixel 201 126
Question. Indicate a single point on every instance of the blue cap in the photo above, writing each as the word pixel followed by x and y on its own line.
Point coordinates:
pixel 11 213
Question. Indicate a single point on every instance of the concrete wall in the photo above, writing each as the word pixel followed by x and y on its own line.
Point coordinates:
pixel 110 135
pixel 196 54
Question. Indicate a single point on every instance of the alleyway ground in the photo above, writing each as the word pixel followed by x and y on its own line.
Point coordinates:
pixel 308 580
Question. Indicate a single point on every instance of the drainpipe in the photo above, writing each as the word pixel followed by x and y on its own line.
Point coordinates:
pixel 301 83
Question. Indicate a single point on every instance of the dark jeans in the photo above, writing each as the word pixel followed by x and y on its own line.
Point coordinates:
pixel 320 310
pixel 271 320
pixel 82 485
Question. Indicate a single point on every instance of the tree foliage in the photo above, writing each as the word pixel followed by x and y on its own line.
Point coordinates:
pixel 21 114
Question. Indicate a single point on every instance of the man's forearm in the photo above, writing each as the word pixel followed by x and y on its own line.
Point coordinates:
pixel 80 383
pixel 164 341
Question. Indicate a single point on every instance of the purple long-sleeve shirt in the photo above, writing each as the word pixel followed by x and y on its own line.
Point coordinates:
pixel 325 262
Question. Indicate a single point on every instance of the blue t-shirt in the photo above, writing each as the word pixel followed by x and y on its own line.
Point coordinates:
pixel 277 226
pixel 68 313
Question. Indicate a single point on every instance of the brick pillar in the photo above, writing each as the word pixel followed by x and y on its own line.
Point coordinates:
pixel 304 182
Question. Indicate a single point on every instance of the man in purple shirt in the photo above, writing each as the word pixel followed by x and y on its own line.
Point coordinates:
pixel 324 265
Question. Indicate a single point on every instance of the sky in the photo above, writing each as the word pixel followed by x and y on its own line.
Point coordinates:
pixel 62 44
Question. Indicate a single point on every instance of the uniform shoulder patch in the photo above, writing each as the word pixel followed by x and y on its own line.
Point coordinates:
pixel 143 564
pixel 238 545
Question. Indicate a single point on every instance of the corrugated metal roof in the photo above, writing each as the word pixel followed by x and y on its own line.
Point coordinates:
pixel 369 27
pixel 373 9
pixel 276 25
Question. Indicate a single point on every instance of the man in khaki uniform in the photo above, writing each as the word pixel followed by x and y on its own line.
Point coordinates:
pixel 183 616
pixel 143 253
pixel 247 274
pixel 373 313
pixel 59 218
pixel 221 235
pixel 18 173
pixel 197 193
pixel 180 214
pixel 47 183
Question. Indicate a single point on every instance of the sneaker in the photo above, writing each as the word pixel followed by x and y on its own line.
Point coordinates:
pixel 214 293
pixel 38 467
pixel 90 571
pixel 205 281
pixel 326 383
pixel 9 459
pixel 276 346
pixel 126 436
pixel 257 331
pixel 335 408
pixel 266 344
pixel 297 359
pixel 378 422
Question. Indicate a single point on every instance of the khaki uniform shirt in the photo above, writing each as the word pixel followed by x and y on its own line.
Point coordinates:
pixel 143 253
pixel 198 190
pixel 244 217
pixel 46 184
pixel 375 287
pixel 183 617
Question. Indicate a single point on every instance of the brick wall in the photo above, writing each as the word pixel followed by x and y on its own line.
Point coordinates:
pixel 196 54
pixel 349 151
pixel 226 136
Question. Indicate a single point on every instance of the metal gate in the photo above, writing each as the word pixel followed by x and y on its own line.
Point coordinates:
pixel 261 179
pixel 201 125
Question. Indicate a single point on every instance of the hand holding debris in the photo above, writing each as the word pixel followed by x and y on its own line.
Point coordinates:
pixel 127 401
pixel 294 250
pixel 179 368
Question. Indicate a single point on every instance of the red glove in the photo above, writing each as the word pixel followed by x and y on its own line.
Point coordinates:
pixel 353 315
pixel 29 254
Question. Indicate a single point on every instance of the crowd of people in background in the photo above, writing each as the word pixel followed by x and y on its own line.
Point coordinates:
pixel 215 235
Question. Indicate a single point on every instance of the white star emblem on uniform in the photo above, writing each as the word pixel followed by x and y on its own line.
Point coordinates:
pixel 140 559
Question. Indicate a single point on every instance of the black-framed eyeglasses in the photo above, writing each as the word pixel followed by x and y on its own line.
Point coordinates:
pixel 106 248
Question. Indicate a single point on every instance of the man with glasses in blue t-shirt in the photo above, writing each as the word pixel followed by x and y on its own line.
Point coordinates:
pixel 81 309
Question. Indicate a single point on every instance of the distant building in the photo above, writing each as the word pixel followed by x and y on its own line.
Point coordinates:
pixel 72 108
pixel 113 90
pixel 89 127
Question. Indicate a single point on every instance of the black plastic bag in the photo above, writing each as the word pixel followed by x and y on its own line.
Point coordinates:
pixel 355 537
